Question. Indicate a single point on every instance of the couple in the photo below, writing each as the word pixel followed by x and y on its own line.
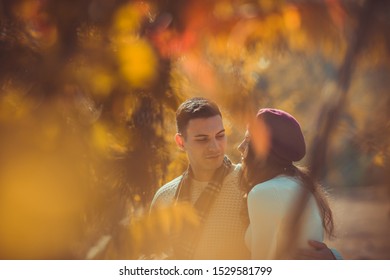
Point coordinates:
pixel 243 209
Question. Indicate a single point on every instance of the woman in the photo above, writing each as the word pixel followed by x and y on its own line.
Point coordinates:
pixel 278 192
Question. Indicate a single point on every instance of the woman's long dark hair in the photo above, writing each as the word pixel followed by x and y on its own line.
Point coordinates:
pixel 258 171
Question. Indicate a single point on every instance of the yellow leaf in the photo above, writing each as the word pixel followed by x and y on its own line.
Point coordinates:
pixel 138 63
pixel 101 82
pixel 292 18
pixel 379 159
pixel 127 19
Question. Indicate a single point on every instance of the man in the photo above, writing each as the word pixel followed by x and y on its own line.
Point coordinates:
pixel 211 185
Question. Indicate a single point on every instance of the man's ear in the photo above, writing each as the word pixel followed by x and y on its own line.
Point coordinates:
pixel 179 141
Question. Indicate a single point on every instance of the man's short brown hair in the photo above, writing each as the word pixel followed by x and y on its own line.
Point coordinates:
pixel 195 108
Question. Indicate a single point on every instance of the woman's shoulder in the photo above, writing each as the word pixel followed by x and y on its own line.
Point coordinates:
pixel 280 188
pixel 275 184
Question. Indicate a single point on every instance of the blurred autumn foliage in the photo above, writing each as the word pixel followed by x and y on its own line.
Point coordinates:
pixel 89 88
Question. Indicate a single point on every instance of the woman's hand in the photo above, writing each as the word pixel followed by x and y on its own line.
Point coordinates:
pixel 318 251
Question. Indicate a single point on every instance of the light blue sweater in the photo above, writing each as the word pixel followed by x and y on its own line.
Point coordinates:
pixel 269 206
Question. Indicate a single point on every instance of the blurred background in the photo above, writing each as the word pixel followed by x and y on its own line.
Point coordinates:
pixel 89 90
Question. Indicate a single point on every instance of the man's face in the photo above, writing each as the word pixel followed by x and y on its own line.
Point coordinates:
pixel 205 144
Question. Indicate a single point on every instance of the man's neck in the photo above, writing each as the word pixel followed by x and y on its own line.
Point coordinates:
pixel 203 176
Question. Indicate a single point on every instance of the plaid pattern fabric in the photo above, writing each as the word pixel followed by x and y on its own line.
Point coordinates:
pixel 186 243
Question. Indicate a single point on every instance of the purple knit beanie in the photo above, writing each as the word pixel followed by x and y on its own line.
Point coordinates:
pixel 286 138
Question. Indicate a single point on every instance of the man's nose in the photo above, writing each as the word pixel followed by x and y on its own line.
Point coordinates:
pixel 213 145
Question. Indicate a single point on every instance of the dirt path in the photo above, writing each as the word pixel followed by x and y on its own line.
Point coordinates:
pixel 362 217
